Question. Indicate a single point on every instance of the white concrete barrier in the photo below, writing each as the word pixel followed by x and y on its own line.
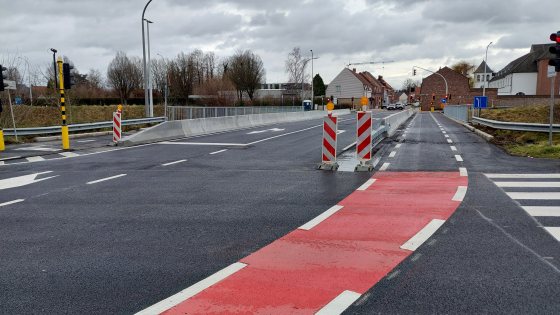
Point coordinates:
pixel 396 120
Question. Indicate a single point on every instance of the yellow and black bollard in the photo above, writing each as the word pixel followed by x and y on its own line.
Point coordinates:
pixel 65 138
pixel 2 140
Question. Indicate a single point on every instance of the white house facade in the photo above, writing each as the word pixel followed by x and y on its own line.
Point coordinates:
pixel 347 85
pixel 516 84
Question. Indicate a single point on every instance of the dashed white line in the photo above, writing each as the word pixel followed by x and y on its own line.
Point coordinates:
pixel 398 145
pixel 104 179
pixel 384 166
pixel 463 171
pixel 537 211
pixel 460 194
pixel 458 158
pixel 534 195
pixel 446 136
pixel 320 218
pixel 86 141
pixel 393 154
pixel 422 236
pixel 528 184
pixel 224 150
pixel 191 291
pixel 10 158
pixel 11 202
pixel 444 132
pixel 176 162
pixel 449 141
pixel 339 304
pixel 367 184
pixel 35 159
pixel 201 143
pixel 522 175
pixel 69 154
pixel 453 148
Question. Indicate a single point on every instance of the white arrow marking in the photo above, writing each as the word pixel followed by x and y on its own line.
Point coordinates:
pixel 276 129
pixel 250 133
pixel 22 180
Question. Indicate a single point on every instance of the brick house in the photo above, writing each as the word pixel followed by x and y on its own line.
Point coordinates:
pixel 458 90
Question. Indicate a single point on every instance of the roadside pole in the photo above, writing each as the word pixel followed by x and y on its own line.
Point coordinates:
pixel 65 138
pixel 551 109
pixel 12 110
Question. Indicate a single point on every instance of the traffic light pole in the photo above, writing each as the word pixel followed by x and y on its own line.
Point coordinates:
pixel 446 87
pixel 551 111
pixel 65 138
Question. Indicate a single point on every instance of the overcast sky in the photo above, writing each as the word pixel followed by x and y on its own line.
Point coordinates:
pixel 430 34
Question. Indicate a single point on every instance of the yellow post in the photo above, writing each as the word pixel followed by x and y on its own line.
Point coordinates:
pixel 2 140
pixel 432 108
pixel 65 138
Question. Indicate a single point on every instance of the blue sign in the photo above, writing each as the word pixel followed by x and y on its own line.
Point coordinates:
pixel 444 101
pixel 18 100
pixel 480 102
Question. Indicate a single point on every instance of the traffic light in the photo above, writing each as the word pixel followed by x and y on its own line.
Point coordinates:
pixel 433 97
pixel 2 77
pixel 449 97
pixel 414 72
pixel 432 103
pixel 68 75
pixel 352 99
pixel 555 50
pixel 446 97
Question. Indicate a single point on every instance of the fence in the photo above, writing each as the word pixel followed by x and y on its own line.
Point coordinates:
pixel 458 112
pixel 181 113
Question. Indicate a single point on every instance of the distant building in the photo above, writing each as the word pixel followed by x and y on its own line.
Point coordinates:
pixel 483 76
pixel 526 75
pixel 350 84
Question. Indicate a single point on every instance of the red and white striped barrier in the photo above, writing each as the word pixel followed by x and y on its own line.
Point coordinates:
pixel 330 128
pixel 117 126
pixel 363 144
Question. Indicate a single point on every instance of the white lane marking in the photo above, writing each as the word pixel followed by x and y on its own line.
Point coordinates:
pixel 348 147
pixel 35 159
pixel 404 136
pixel 463 171
pixel 453 148
pixel 224 150
pixel 69 154
pixel 320 218
pixel 10 158
pixel 458 158
pixel 200 143
pixel 393 154
pixel 104 179
pixel 176 162
pixel 191 291
pixel 340 131
pixel 255 132
pixel 528 184
pixel 555 231
pixel 543 211
pixel 1 162
pixel 85 141
pixel 22 180
pixel 398 145
pixel 11 202
pixel 449 140
pixel 384 166
pixel 446 136
pixel 444 132
pixel 340 303
pixel 460 194
pixel 422 236
pixel 522 175
pixel 37 149
pixel 289 133
pixel 534 195
pixel 367 184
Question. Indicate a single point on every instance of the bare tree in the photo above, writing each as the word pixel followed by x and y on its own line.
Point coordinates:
pixel 124 75
pixel 294 67
pixel 246 71
pixel 408 84
pixel 159 74
pixel 182 74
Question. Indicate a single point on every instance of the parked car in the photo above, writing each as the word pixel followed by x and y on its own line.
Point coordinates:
pixel 399 106
pixel 384 105
pixel 391 107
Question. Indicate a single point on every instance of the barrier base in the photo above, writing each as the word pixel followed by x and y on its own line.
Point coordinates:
pixel 363 168
pixel 328 167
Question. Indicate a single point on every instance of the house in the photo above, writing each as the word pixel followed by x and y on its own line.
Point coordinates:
pixel 526 75
pixel 347 85
pixel 403 97
pixel 458 90
pixel 482 75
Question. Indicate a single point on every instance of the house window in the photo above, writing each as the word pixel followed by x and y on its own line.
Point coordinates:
pixel 478 78
pixel 338 88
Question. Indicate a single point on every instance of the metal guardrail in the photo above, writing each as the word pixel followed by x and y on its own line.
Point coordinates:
pixel 379 134
pixel 515 126
pixel 80 127
pixel 182 112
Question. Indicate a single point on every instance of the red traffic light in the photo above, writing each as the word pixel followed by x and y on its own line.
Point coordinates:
pixel 555 37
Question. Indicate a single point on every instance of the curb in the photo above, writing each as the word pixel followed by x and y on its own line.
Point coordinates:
pixel 482 134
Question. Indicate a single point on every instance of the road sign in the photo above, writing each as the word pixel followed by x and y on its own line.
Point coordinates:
pixel 480 102
pixel 551 71
pixel 11 85
pixel 444 101
pixel 18 100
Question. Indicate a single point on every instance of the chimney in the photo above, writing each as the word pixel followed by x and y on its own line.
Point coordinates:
pixel 464 70
pixel 354 70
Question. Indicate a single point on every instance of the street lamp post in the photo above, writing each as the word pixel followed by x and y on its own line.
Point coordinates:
pixel 54 51
pixel 485 79
pixel 146 104
pixel 151 95
pixel 166 78
pixel 312 79
pixel 29 74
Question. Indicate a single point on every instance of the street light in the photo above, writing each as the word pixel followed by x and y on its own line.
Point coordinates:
pixel 29 74
pixel 148 22
pixel 485 66
pixel 145 70
pixel 166 78
pixel 54 51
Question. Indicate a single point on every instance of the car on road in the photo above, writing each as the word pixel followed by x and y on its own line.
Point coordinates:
pixel 384 105
pixel 391 107
pixel 399 106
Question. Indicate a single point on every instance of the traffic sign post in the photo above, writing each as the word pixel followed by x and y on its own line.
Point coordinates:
pixel 18 100
pixel 480 102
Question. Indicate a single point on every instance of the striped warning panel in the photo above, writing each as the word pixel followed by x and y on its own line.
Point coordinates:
pixel 363 144
pixel 117 125
pixel 330 126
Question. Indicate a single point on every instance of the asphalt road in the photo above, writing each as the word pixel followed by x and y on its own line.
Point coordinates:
pixel 183 210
